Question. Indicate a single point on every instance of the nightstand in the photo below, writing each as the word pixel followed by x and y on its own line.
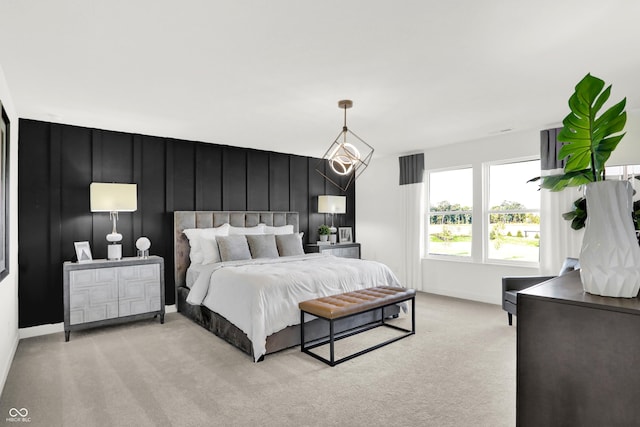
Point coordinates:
pixel 103 292
pixel 344 250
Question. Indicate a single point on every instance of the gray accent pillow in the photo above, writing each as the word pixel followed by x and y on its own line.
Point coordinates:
pixel 233 248
pixel 262 245
pixel 289 244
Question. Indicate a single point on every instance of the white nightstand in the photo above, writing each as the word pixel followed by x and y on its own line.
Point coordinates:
pixel 103 292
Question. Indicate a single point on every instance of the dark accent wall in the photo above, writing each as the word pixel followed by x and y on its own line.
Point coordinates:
pixel 58 162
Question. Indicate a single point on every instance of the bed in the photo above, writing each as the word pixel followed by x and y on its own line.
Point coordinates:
pixel 205 285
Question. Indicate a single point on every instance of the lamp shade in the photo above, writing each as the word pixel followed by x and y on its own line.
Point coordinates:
pixel 332 204
pixel 109 197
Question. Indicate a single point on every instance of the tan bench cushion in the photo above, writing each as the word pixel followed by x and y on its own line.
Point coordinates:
pixel 341 305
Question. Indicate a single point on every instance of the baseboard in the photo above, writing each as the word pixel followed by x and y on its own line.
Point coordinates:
pixel 7 367
pixel 54 328
pixel 463 295
pixel 36 331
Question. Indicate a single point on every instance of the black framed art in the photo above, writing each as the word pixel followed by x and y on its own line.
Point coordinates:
pixel 4 194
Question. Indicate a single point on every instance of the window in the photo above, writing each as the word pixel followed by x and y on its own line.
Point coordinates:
pixel 450 212
pixel 513 212
pixel 630 173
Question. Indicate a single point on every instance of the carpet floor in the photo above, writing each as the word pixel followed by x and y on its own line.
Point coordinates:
pixel 458 370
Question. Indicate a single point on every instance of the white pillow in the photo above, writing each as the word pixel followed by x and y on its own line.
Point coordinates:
pixel 258 229
pixel 195 251
pixel 284 229
pixel 196 234
pixel 210 251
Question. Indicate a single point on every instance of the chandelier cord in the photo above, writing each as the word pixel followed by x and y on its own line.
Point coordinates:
pixel 344 128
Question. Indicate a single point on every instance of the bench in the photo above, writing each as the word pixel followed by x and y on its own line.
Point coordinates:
pixel 348 304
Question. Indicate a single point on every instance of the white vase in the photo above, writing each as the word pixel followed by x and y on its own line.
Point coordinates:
pixel 610 255
pixel 324 237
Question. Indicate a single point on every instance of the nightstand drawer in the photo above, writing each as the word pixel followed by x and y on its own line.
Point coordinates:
pixel 343 250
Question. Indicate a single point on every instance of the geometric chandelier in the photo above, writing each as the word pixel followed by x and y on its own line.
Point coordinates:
pixel 347 159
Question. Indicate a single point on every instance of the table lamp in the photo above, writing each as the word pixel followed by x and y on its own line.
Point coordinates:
pixel 113 198
pixel 332 205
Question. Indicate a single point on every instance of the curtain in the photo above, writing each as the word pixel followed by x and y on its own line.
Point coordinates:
pixel 412 169
pixel 412 187
pixel 549 147
pixel 557 239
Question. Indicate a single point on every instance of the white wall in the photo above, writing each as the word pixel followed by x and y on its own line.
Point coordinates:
pixel 9 286
pixel 628 150
pixel 380 218
pixel 379 215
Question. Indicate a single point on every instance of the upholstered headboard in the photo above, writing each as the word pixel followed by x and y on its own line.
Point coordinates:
pixel 206 219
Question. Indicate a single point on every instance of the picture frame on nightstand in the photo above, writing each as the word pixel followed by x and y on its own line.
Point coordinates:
pixel 83 251
pixel 344 235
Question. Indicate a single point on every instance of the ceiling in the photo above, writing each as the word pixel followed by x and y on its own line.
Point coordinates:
pixel 269 74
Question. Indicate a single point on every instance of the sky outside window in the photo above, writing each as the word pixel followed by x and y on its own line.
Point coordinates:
pixel 509 182
pixel 454 186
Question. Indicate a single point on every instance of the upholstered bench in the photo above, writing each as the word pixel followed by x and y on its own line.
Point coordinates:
pixel 348 304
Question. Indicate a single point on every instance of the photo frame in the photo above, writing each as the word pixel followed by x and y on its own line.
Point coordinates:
pixel 344 235
pixel 4 193
pixel 83 251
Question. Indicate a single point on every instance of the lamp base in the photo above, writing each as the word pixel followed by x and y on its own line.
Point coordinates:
pixel 114 252
pixel 114 237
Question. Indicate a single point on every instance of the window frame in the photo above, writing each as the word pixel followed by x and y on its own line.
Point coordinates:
pixel 428 213
pixel 486 212
pixel 480 212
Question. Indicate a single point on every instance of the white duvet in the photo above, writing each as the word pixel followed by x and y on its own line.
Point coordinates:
pixel 261 296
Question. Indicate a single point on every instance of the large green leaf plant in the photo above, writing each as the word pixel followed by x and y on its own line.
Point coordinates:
pixel 589 139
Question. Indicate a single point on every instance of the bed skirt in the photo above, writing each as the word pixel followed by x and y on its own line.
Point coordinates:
pixel 286 338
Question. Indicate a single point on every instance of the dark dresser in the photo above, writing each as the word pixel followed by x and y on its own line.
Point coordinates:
pixel 578 357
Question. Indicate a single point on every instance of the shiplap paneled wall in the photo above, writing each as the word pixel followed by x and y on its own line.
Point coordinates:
pixel 57 163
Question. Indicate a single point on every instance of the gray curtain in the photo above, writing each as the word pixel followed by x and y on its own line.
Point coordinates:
pixel 411 169
pixel 549 147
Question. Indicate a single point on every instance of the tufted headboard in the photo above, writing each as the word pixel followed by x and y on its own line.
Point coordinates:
pixel 206 219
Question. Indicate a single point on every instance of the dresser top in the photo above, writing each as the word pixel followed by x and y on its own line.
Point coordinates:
pixel 105 263
pixel 567 289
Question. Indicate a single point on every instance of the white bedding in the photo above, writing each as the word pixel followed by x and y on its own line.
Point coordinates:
pixel 261 296
pixel 193 272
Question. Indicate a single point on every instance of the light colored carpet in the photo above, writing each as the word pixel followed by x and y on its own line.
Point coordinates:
pixel 458 370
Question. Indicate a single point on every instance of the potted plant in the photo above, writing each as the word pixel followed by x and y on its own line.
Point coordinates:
pixel 609 240
pixel 324 232
pixel 589 140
